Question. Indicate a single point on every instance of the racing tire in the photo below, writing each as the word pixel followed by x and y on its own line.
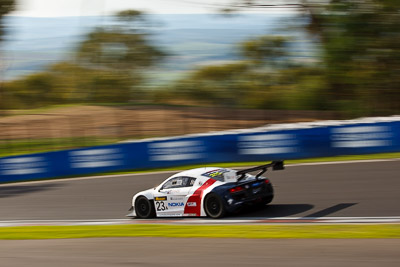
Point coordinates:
pixel 213 206
pixel 264 202
pixel 267 200
pixel 144 208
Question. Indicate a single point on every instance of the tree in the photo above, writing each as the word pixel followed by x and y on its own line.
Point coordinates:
pixel 62 83
pixel 36 90
pixel 217 85
pixel 360 51
pixel 265 49
pixel 107 68
pixel 116 50
pixel 6 6
pixel 253 82
pixel 122 49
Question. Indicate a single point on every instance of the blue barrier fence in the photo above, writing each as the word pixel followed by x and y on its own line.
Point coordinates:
pixel 290 141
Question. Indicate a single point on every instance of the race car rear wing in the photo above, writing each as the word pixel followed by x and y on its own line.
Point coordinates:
pixel 276 166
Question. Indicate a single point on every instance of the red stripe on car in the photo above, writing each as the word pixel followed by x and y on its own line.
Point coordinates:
pixel 196 198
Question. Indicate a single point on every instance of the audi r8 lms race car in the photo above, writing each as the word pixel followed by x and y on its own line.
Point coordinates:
pixel 208 191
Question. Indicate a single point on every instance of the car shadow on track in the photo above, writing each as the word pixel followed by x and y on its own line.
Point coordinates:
pixel 16 190
pixel 294 210
pixel 274 210
pixel 330 210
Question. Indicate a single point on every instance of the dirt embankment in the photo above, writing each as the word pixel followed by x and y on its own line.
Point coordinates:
pixel 140 121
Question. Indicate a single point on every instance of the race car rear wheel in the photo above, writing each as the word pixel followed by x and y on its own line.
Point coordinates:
pixel 267 200
pixel 264 201
pixel 144 208
pixel 213 206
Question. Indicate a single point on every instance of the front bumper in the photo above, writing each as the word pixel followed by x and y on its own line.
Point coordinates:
pixel 132 212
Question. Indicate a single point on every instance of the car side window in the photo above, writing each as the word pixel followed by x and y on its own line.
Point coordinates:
pixel 179 182
pixel 176 182
pixel 191 181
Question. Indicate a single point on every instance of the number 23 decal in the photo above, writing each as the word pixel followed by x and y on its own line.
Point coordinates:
pixel 160 206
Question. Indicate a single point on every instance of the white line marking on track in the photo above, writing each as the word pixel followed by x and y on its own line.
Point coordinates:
pixel 87 178
pixel 205 221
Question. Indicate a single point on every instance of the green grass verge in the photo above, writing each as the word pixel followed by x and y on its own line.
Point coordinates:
pixel 27 147
pixel 203 231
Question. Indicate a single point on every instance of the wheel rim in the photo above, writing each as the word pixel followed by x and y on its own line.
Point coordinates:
pixel 143 207
pixel 213 206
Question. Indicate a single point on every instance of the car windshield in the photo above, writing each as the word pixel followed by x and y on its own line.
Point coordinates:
pixel 221 175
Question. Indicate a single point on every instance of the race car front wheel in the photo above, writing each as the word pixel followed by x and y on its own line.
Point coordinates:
pixel 144 208
pixel 213 206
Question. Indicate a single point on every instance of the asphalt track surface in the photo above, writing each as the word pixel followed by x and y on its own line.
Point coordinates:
pixel 176 252
pixel 320 191
pixel 327 190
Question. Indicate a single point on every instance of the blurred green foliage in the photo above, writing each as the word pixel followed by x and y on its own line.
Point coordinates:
pixel 356 69
pixel 265 49
pixel 266 78
pixel 28 146
pixel 107 67
pixel 65 83
pixel 6 6
pixel 360 43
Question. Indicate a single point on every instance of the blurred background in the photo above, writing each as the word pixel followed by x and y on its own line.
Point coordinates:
pixel 83 73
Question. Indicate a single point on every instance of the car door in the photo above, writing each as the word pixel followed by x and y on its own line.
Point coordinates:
pixel 170 199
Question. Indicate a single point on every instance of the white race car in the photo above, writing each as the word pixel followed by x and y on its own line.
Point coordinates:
pixel 209 191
